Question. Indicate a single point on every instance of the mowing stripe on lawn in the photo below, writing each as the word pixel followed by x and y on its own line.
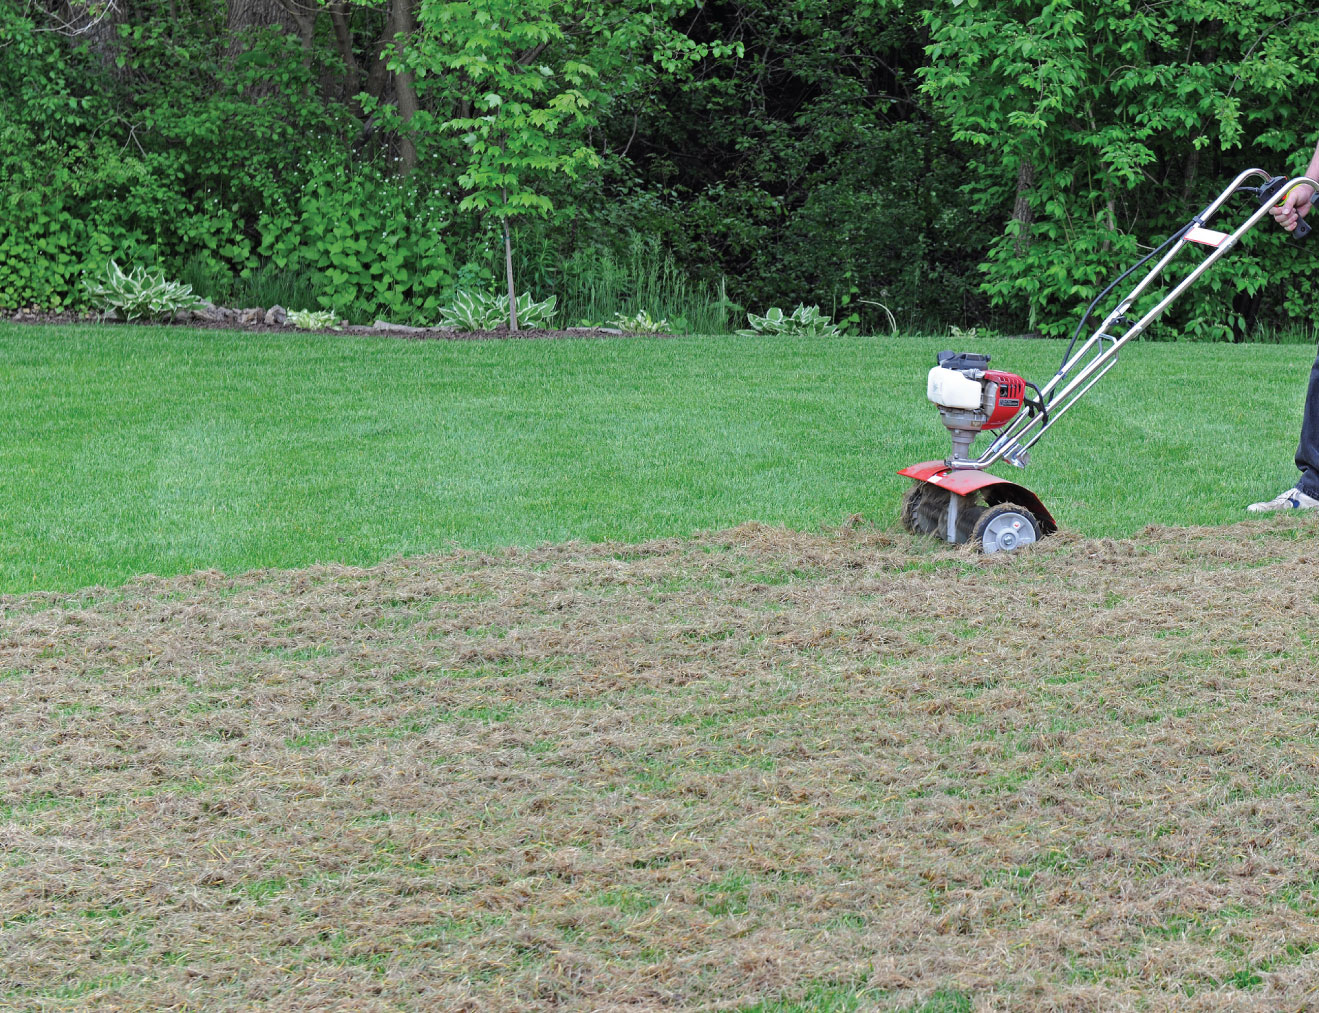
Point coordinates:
pixel 164 450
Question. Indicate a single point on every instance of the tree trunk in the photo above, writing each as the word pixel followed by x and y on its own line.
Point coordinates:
pixel 377 74
pixel 400 21
pixel 405 90
pixel 1021 211
pixel 247 15
pixel 244 17
pixel 304 21
pixel 343 40
pixel 508 269
pixel 98 25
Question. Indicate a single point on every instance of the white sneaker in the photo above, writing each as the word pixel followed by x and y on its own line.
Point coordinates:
pixel 1292 499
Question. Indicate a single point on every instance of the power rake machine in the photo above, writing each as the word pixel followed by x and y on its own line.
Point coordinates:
pixel 957 499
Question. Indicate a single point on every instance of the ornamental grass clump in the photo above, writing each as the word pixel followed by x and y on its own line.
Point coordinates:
pixel 139 294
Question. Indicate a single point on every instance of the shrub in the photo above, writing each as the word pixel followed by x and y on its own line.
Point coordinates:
pixel 805 322
pixel 481 311
pixel 371 243
pixel 139 293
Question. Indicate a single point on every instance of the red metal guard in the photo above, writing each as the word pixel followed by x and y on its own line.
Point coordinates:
pixel 994 489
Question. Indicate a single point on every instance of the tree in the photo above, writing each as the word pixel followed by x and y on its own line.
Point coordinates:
pixel 524 78
pixel 1090 124
pixel 517 113
pixel 810 167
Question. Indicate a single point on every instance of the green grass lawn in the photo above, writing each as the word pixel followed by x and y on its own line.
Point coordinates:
pixel 132 449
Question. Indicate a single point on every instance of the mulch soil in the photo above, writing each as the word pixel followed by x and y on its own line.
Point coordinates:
pixel 756 766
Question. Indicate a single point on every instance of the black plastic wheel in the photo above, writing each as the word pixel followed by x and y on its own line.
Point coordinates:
pixel 1005 527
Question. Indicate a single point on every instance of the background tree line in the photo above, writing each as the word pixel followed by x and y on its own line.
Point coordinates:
pixel 947 162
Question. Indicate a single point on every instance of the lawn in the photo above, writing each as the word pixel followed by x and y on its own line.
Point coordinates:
pixel 759 770
pixel 795 765
pixel 131 450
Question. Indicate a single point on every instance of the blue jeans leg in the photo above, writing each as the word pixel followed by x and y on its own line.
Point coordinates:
pixel 1307 454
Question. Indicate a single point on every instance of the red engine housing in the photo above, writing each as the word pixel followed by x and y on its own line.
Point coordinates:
pixel 1011 394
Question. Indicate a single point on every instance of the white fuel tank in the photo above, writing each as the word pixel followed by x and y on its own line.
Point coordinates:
pixel 949 388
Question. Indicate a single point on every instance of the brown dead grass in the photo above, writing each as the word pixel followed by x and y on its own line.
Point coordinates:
pixel 755 766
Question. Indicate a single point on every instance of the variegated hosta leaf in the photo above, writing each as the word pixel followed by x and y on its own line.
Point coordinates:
pixel 531 313
pixel 312 320
pixel 138 294
pixel 804 322
pixel 481 311
pixel 641 323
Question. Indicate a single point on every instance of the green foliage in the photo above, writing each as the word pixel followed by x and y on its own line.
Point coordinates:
pixel 888 315
pixel 595 283
pixel 522 117
pixel 210 279
pixel 803 322
pixel 902 165
pixel 640 322
pixel 139 293
pixel 808 168
pixel 313 320
pixel 142 139
pixel 1094 132
pixel 481 311
pixel 375 245
pixel 535 77
pixel 47 237
pixel 516 120
pixel 41 249
pixel 269 286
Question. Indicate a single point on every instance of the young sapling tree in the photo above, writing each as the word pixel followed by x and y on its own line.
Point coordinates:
pixel 523 106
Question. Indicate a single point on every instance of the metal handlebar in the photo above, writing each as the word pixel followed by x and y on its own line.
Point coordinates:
pixel 1065 389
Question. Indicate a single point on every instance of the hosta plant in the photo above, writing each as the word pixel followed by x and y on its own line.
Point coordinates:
pixel 313 320
pixel 804 322
pixel 481 311
pixel 640 323
pixel 139 293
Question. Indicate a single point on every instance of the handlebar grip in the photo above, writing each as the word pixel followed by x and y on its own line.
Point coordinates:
pixel 1303 228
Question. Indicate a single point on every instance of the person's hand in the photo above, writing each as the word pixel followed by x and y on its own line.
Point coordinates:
pixel 1295 207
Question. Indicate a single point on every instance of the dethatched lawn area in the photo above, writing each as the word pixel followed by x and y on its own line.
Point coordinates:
pixel 756 769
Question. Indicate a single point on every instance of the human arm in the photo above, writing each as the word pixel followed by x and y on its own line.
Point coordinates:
pixel 1297 205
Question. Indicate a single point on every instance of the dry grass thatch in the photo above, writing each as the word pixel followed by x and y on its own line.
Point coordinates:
pixel 755 766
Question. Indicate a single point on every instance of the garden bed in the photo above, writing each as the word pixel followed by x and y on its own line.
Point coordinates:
pixel 378 329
